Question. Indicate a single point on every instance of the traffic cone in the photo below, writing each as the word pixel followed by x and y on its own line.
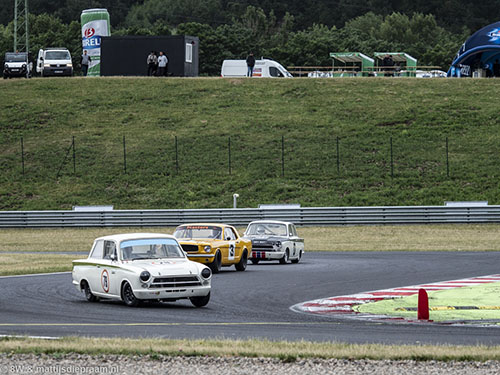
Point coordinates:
pixel 423 305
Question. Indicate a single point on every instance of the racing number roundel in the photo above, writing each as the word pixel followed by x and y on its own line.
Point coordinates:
pixel 105 280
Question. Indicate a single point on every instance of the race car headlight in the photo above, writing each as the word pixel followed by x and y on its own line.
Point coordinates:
pixel 24 66
pixel 46 65
pixel 145 275
pixel 207 248
pixel 70 65
pixel 278 244
pixel 206 273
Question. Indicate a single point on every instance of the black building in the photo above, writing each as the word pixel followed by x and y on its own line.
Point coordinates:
pixel 126 55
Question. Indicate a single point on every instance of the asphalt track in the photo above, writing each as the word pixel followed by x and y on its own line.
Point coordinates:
pixel 254 303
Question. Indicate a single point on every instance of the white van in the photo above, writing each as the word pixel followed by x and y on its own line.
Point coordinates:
pixel 262 68
pixel 54 62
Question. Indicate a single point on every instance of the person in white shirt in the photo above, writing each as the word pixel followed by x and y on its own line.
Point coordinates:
pixel 162 65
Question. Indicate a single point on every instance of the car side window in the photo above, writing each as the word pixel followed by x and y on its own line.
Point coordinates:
pixel 274 72
pixel 292 231
pixel 109 249
pixel 229 234
pixel 97 251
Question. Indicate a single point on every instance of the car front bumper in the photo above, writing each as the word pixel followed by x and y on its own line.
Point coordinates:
pixel 201 257
pixel 266 255
pixel 172 293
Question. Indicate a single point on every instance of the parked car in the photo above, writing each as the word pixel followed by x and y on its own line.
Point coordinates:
pixel 54 62
pixel 17 64
pixel 263 68
pixel 216 245
pixel 274 240
pixel 141 266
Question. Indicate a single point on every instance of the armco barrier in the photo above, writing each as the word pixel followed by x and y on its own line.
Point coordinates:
pixel 309 216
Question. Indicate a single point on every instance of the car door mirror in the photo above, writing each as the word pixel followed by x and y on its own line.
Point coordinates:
pixel 113 257
pixel 228 238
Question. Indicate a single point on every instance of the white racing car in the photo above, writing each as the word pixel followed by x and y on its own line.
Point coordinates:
pixel 141 266
pixel 274 240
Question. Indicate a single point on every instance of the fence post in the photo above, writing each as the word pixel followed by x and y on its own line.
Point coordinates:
pixel 338 156
pixel 176 157
pixel 124 156
pixel 22 154
pixel 392 162
pixel 229 153
pixel 74 157
pixel 447 160
pixel 282 156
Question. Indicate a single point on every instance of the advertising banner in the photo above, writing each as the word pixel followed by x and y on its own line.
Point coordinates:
pixel 95 24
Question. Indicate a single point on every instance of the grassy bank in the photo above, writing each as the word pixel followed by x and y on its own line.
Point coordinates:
pixel 288 351
pixel 203 113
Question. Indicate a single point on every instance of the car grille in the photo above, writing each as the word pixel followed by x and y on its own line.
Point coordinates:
pixel 58 65
pixel 262 246
pixel 190 248
pixel 175 282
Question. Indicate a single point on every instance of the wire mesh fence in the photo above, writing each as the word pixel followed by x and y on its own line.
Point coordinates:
pixel 265 157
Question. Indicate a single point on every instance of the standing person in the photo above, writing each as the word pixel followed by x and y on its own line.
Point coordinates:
pixel 151 61
pixel 162 64
pixel 250 64
pixel 85 62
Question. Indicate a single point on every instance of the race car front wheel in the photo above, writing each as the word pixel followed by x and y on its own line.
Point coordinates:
pixel 242 264
pixel 284 260
pixel 128 295
pixel 216 265
pixel 200 301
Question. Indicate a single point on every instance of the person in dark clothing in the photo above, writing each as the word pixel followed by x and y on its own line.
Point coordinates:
pixel 152 61
pixel 250 64
pixel 496 68
pixel 388 64
pixel 85 62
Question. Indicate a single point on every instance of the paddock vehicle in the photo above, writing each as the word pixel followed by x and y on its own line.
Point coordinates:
pixel 17 65
pixel 263 68
pixel 216 245
pixel 274 240
pixel 54 62
pixel 141 266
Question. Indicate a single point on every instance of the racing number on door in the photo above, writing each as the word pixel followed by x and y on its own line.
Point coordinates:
pixel 105 281
pixel 230 255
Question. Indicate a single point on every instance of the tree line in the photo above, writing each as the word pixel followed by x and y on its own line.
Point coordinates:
pixel 269 36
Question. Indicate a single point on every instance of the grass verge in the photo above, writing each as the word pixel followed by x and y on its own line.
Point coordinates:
pixel 486 297
pixel 453 237
pixel 287 351
pixel 23 264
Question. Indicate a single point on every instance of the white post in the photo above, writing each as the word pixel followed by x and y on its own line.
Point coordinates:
pixel 235 198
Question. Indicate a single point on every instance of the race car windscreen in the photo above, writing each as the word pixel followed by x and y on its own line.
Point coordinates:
pixel 151 248
pixel 198 232
pixel 266 229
